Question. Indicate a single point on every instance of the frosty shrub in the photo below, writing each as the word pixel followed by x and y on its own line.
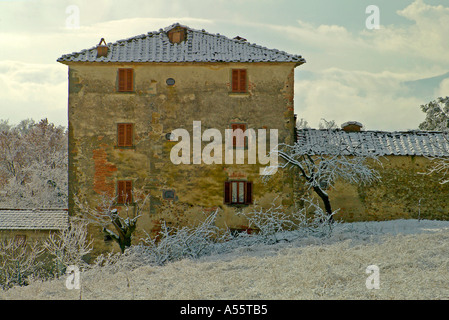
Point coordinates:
pixel 19 262
pixel 184 242
pixel 68 246
pixel 275 224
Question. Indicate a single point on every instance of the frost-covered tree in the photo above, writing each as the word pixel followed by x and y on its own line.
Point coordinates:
pixel 18 262
pixel 33 165
pixel 106 216
pixel 69 246
pixel 322 161
pixel 437 115
pixel 437 119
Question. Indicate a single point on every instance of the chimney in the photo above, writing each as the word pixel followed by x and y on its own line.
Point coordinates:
pixel 352 126
pixel 102 50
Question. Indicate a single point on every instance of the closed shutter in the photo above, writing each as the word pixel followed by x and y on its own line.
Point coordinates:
pixel 242 80
pixel 121 134
pixel 124 134
pixel 125 80
pixel 128 134
pixel 124 191
pixel 238 80
pixel 227 192
pixel 129 79
pixel 121 187
pixel 242 127
pixel 249 193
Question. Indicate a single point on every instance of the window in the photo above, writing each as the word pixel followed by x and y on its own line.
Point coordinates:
pixel 238 192
pixel 168 194
pixel 239 80
pixel 124 191
pixel 125 134
pixel 238 139
pixel 177 34
pixel 125 80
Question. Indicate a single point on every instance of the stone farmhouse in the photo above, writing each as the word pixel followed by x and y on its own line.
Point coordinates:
pixel 404 191
pixel 128 97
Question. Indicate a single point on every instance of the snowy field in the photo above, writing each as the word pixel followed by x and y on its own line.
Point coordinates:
pixel 412 257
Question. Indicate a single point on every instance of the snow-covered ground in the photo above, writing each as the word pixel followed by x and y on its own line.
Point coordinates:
pixel 412 258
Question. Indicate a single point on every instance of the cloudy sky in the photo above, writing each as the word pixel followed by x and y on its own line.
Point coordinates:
pixel 377 76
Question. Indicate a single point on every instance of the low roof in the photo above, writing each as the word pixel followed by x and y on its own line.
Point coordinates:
pixel 199 46
pixel 380 143
pixel 29 219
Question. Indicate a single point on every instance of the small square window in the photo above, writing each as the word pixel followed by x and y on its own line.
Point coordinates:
pixel 168 194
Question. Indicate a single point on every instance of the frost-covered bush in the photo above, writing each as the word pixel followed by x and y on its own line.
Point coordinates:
pixel 184 242
pixel 19 262
pixel 275 224
pixel 69 246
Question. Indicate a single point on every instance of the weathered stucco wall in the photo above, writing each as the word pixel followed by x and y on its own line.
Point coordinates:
pixel 403 192
pixel 201 93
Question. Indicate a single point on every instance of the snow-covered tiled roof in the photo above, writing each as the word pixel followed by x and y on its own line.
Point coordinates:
pixel 380 143
pixel 29 219
pixel 199 46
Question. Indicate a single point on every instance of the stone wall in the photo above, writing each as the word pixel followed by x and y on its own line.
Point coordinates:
pixel 402 193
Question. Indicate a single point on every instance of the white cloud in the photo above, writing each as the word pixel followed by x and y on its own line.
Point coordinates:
pixel 34 91
pixel 378 100
pixel 443 90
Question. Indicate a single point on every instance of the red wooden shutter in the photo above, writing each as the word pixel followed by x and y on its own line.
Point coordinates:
pixel 242 80
pixel 129 134
pixel 235 80
pixel 129 80
pixel 121 186
pixel 121 79
pixel 124 134
pixel 124 191
pixel 238 80
pixel 242 127
pixel 121 134
pixel 249 193
pixel 227 192
pixel 125 80
pixel 128 191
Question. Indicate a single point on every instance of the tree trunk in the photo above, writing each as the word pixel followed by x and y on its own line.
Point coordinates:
pixel 325 198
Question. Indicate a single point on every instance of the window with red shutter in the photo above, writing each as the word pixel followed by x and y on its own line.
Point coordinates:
pixel 238 139
pixel 124 191
pixel 125 134
pixel 238 80
pixel 238 192
pixel 125 80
